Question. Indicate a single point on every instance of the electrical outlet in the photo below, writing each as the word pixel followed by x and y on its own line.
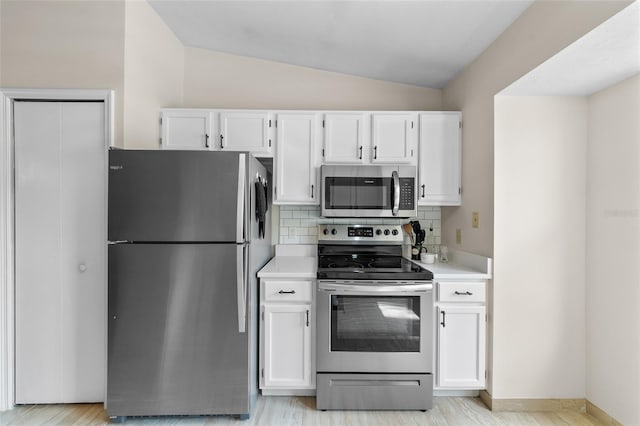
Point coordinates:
pixel 458 236
pixel 475 220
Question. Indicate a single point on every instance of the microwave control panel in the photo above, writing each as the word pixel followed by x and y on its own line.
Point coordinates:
pixel 407 194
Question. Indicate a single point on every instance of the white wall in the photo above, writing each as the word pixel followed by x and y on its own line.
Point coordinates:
pixel 613 251
pixel 539 252
pixel 539 33
pixel 64 44
pixel 214 79
pixel 153 73
pixel 518 50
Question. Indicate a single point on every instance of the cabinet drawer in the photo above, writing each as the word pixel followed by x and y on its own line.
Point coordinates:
pixel 287 291
pixel 461 291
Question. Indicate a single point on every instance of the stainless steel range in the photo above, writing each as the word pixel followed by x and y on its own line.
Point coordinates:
pixel 374 321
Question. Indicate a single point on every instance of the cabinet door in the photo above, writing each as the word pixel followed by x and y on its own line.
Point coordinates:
pixel 245 131
pixel 343 138
pixel 392 138
pixel 296 171
pixel 186 129
pixel 440 148
pixel 461 346
pixel 287 346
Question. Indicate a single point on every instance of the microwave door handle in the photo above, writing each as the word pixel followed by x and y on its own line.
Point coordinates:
pixel 396 193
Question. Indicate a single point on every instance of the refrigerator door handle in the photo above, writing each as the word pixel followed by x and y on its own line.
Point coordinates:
pixel 240 220
pixel 241 287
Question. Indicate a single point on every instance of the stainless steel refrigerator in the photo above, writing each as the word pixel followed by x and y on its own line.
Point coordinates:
pixel 184 249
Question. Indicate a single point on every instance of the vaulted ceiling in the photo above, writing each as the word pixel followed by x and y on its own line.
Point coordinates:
pixel 423 43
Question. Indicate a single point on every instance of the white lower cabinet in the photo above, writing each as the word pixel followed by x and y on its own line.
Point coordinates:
pixel 461 336
pixel 287 337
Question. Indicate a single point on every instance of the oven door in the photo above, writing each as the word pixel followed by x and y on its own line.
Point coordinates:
pixel 368 191
pixel 377 327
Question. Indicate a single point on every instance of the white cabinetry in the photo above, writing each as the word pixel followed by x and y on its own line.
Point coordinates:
pixel 186 129
pixel 343 138
pixel 461 344
pixel 287 354
pixel 429 139
pixel 392 137
pixel 228 130
pixel 296 162
pixel 245 131
pixel 439 163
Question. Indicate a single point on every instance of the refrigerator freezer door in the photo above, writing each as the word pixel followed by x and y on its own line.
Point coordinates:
pixel 176 196
pixel 173 342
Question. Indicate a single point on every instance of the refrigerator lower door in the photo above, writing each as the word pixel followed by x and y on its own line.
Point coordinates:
pixel 174 346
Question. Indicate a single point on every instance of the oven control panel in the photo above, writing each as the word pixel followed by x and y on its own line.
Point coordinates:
pixel 362 233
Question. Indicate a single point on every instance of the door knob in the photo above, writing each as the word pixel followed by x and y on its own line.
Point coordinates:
pixel 82 267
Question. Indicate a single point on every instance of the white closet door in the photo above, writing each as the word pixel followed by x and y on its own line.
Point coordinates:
pixel 60 205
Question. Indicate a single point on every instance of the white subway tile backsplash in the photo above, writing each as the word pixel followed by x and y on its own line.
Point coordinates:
pixel 290 222
pixel 298 224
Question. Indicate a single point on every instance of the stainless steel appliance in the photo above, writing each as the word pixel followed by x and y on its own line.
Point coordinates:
pixel 369 191
pixel 183 255
pixel 374 321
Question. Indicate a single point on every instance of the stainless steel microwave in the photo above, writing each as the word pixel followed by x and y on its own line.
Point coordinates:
pixel 368 191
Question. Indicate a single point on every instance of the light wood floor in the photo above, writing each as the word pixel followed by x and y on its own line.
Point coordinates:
pixel 289 411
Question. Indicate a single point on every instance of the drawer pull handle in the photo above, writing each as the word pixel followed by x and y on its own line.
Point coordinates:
pixel 287 292
pixel 307 318
pixel 443 318
pixel 466 293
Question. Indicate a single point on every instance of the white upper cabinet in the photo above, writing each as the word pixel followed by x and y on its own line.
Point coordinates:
pixel 245 131
pixel 186 129
pixel 392 137
pixel 440 159
pixel 343 138
pixel 296 170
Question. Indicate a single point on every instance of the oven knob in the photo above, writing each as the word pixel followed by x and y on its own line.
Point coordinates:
pixel 333 231
pixel 378 232
pixel 394 232
pixel 386 232
pixel 326 231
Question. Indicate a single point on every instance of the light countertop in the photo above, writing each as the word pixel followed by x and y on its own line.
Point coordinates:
pixel 453 271
pixel 290 267
pixel 460 266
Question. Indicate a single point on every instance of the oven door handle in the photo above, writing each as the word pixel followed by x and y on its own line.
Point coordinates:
pixel 396 193
pixel 374 288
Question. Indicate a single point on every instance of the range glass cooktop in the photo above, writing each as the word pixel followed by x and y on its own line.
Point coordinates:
pixel 367 262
